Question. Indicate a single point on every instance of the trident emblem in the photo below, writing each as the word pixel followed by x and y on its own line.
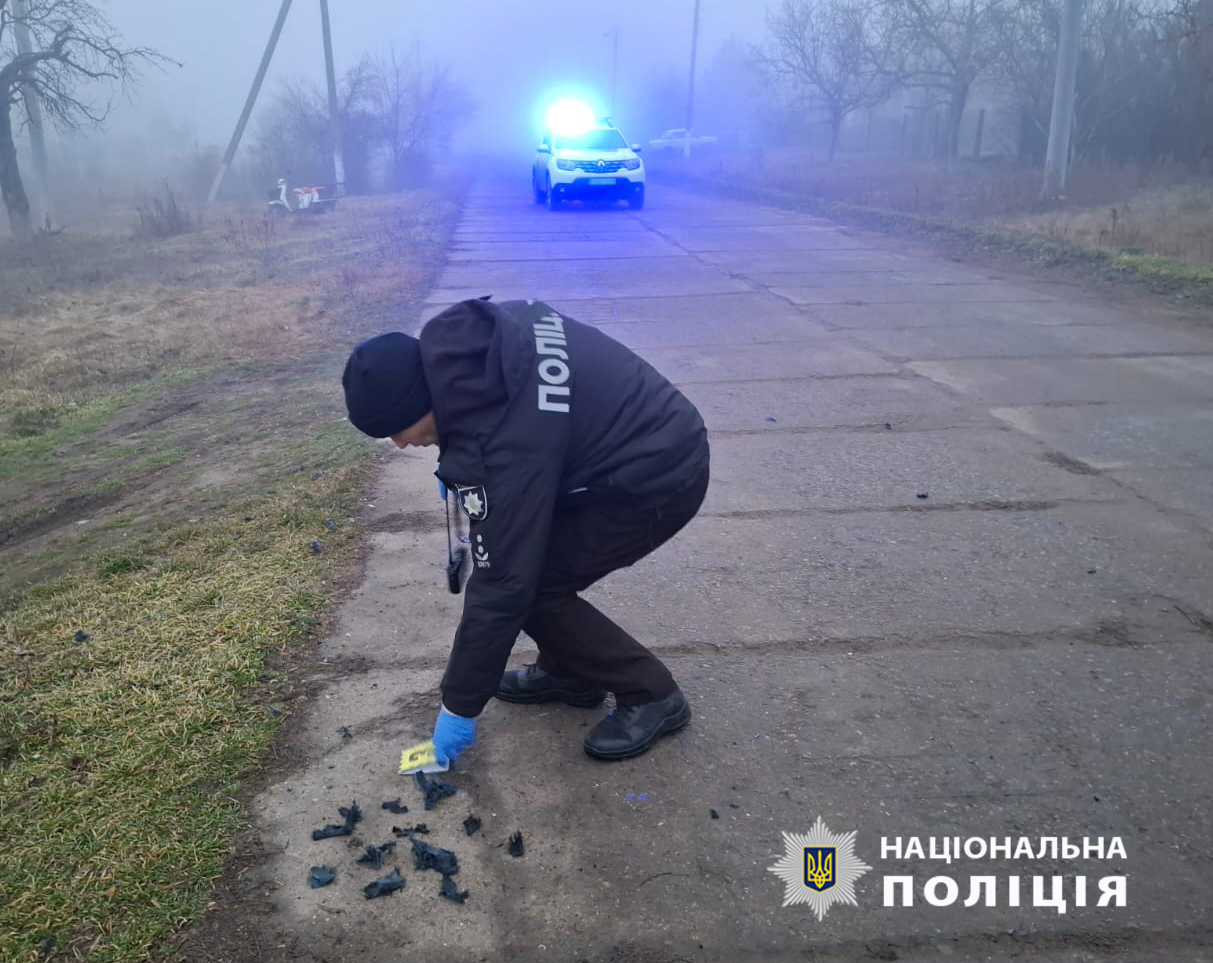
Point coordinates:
pixel 819 867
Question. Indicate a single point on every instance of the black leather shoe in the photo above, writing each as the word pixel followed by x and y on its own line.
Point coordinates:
pixel 533 684
pixel 630 730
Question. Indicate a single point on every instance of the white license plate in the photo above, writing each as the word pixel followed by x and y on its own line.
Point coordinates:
pixel 602 181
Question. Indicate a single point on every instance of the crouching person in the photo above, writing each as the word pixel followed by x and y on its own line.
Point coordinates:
pixel 572 457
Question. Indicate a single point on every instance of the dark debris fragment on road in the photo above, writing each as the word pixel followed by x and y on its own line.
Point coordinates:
pixel 451 891
pixel 384 885
pixel 352 815
pixel 433 857
pixel 374 854
pixel 471 824
pixel 395 806
pixel 516 847
pixel 319 876
pixel 434 789
pixel 410 831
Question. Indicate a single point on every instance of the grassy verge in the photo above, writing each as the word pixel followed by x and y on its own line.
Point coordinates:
pixel 27 448
pixel 1181 279
pixel 137 700
pixel 179 494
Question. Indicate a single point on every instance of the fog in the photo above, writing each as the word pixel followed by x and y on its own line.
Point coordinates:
pixel 509 55
pixel 794 81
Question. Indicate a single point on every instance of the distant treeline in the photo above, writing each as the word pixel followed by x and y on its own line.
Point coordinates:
pixel 1144 89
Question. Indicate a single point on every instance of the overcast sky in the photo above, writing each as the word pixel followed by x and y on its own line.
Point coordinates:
pixel 509 53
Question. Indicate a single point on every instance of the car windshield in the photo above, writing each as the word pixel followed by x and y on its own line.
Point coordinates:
pixel 598 139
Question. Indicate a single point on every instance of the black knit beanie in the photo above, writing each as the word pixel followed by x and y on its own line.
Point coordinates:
pixel 385 388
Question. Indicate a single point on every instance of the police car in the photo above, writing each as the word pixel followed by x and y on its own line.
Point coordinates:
pixel 580 157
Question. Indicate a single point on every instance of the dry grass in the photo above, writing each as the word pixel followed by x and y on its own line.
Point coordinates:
pixel 80 315
pixel 1173 222
pixel 163 215
pixel 135 699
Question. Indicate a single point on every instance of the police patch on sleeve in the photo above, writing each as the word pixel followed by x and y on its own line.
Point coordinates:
pixel 475 502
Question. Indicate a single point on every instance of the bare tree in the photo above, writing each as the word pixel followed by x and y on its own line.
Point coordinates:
pixel 948 43
pixel 1026 64
pixel 1181 54
pixel 1114 70
pixel 295 134
pixel 418 105
pixel 1185 20
pixel 838 54
pixel 1145 77
pixel 72 47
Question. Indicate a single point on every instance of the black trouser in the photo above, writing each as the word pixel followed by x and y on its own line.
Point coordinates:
pixel 575 640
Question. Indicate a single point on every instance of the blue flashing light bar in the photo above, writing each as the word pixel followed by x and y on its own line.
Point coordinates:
pixel 569 115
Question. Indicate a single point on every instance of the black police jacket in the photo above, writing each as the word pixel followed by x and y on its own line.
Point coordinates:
pixel 535 409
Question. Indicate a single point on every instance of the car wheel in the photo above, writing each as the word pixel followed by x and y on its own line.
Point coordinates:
pixel 553 200
pixel 540 196
pixel 636 201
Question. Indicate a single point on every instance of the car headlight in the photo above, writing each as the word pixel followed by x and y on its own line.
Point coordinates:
pixel 567 165
pixel 632 163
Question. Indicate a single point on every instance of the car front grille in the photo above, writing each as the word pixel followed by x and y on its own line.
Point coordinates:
pixel 599 167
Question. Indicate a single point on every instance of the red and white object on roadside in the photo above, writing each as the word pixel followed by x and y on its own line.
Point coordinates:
pixel 300 200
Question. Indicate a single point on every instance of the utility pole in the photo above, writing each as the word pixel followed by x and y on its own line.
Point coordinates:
pixel 691 83
pixel 334 114
pixel 33 110
pixel 1057 157
pixel 249 102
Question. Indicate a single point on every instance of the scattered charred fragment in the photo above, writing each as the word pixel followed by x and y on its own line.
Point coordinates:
pixel 434 790
pixel 352 815
pixel 374 854
pixel 411 831
pixel 432 857
pixel 384 885
pixel 471 824
pixel 395 806
pixel 319 876
pixel 451 891
pixel 516 847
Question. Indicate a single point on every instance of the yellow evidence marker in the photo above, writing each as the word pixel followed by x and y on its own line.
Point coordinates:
pixel 421 758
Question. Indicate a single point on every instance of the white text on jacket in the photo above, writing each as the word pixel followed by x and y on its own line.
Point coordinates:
pixel 550 345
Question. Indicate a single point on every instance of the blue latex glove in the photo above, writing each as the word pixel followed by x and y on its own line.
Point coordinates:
pixel 441 490
pixel 452 734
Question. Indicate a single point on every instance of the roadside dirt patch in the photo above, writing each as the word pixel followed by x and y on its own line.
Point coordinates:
pixel 176 455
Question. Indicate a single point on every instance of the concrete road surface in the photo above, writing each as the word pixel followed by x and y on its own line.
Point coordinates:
pixel 953 579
